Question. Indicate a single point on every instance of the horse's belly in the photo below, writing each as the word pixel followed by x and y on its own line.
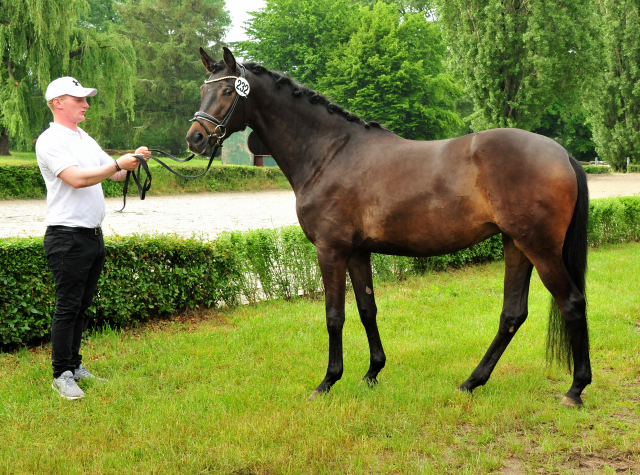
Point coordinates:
pixel 426 231
pixel 429 242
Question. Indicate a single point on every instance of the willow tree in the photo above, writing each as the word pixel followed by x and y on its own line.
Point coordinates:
pixel 517 57
pixel 614 99
pixel 43 40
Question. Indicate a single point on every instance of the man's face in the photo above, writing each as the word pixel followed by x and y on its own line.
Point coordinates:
pixel 71 108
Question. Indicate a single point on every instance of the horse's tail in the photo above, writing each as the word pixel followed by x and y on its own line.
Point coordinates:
pixel 574 255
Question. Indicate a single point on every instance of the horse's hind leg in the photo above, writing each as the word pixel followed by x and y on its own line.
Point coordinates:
pixel 514 311
pixel 572 306
pixel 360 272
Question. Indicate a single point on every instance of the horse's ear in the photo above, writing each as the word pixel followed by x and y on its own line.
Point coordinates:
pixel 229 60
pixel 207 60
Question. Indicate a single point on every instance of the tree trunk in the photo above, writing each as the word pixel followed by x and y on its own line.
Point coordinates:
pixel 4 143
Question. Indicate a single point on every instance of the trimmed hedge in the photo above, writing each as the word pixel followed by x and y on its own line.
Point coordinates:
pixel 146 276
pixel 614 220
pixel 597 169
pixel 21 181
pixel 26 182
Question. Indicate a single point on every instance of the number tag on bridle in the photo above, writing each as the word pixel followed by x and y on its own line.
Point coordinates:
pixel 242 87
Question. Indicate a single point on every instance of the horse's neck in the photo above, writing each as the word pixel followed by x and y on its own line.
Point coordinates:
pixel 301 137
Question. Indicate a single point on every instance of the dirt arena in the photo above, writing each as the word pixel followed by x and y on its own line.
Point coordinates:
pixel 208 214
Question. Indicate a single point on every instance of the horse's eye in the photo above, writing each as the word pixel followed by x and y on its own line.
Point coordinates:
pixel 228 91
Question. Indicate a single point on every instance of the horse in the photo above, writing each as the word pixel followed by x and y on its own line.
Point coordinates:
pixel 361 189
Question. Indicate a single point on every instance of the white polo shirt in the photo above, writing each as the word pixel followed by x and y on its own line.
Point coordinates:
pixel 59 148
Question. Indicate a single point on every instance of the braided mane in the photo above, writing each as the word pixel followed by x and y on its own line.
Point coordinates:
pixel 302 91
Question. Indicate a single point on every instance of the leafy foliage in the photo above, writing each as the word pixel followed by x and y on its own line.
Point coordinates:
pixel 407 6
pixel 166 35
pixel 614 99
pixel 377 61
pixel 568 126
pixel 21 182
pixel 299 37
pixel 597 169
pixel 143 276
pixel 516 58
pixel 614 220
pixel 163 274
pixel 43 40
pixel 391 70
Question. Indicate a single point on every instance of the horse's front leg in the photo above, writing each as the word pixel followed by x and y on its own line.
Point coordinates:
pixel 360 271
pixel 333 266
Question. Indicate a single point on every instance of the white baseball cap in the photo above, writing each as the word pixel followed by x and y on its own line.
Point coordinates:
pixel 68 85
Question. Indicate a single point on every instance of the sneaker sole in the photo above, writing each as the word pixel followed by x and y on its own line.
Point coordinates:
pixel 69 398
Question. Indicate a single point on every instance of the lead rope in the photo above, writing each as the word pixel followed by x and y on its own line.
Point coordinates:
pixel 145 186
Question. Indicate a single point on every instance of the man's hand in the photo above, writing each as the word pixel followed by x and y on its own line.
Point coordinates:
pixel 129 162
pixel 142 151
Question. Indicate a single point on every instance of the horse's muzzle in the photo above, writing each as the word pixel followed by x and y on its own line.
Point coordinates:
pixel 197 141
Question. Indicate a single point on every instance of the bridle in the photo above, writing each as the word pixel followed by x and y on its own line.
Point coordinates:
pixel 200 116
pixel 220 125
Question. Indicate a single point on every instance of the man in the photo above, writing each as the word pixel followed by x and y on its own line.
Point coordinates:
pixel 73 166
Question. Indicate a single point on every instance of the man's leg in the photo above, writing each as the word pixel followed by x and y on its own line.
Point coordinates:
pixel 87 297
pixel 71 258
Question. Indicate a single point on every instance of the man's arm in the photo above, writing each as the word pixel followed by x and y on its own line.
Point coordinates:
pixel 83 177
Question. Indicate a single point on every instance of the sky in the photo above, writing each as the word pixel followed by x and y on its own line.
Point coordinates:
pixel 239 11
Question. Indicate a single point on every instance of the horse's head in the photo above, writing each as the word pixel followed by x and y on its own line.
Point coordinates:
pixel 222 107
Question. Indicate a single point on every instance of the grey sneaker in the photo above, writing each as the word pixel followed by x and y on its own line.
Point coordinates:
pixel 66 386
pixel 83 373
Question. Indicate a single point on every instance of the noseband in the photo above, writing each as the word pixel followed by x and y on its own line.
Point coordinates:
pixel 220 125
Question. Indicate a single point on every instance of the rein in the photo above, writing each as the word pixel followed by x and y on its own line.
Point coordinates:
pixel 144 183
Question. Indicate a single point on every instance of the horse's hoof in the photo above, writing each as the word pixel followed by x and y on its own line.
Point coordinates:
pixel 568 402
pixel 314 395
pixel 371 382
pixel 464 389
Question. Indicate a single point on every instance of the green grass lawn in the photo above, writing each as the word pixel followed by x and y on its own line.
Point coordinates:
pixel 225 392
pixel 18 158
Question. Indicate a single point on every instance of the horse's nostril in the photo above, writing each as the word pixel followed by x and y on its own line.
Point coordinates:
pixel 196 138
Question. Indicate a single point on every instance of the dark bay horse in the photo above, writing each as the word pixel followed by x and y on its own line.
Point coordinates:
pixel 360 189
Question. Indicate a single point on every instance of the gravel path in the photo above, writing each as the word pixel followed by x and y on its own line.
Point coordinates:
pixel 617 184
pixel 211 213
pixel 200 213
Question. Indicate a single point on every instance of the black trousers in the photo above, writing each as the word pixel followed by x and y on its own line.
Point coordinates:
pixel 76 258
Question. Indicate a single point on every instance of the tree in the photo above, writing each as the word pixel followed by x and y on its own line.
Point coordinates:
pixel 406 6
pixel 299 37
pixel 614 98
pixel 517 57
pixel 567 124
pixel 391 70
pixel 166 35
pixel 47 39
